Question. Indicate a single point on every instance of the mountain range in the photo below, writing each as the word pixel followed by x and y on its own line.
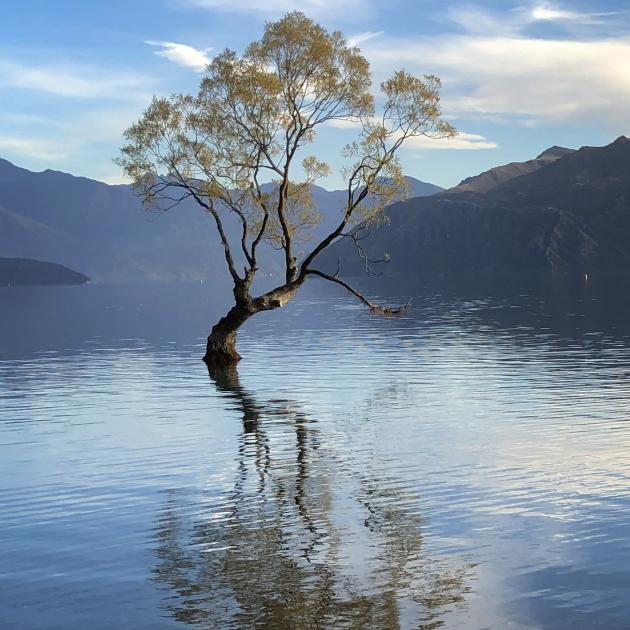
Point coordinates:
pixel 488 180
pixel 103 231
pixel 564 212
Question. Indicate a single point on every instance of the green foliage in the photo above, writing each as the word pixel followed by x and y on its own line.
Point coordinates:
pixel 251 121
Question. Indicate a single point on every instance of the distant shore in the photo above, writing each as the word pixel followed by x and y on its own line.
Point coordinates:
pixel 28 272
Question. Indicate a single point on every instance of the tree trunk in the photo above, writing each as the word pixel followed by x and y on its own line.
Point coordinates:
pixel 221 346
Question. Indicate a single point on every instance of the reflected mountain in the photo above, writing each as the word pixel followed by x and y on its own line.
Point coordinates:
pixel 302 537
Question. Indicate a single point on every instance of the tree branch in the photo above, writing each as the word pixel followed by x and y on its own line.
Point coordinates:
pixel 355 237
pixel 377 309
pixel 224 240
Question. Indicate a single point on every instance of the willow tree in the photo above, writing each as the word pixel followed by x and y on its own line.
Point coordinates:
pixel 252 122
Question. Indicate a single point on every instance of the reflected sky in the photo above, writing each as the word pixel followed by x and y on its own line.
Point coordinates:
pixel 463 466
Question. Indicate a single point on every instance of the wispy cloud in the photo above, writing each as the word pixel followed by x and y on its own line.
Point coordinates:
pixel 315 8
pixel 36 148
pixel 74 81
pixel 461 142
pixel 554 13
pixel 114 179
pixel 499 67
pixel 182 54
pixel 360 38
pixel 71 137
pixel 521 20
pixel 26 119
pixel 476 20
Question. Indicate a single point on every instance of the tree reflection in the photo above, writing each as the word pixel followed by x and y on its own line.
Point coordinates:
pixel 305 538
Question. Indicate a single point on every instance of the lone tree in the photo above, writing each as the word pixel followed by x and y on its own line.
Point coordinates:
pixel 250 123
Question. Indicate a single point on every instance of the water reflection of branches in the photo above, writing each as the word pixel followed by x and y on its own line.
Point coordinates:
pixel 279 550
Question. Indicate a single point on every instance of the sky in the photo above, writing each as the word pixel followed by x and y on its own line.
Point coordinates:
pixel 518 77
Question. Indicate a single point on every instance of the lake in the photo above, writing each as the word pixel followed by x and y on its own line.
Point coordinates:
pixel 463 466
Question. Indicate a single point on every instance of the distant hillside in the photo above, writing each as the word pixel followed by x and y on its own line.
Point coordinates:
pixel 418 188
pixel 494 177
pixel 27 272
pixel 103 231
pixel 569 215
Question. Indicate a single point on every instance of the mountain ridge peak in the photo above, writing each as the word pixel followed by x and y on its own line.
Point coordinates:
pixel 555 151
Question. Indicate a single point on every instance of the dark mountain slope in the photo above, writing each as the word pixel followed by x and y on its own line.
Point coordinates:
pixel 494 177
pixel 98 228
pixel 102 229
pixel 419 188
pixel 572 215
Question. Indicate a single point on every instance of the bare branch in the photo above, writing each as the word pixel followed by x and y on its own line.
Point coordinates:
pixel 356 238
pixel 377 309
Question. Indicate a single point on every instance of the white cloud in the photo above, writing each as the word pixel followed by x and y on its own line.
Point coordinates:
pixel 26 119
pixel 74 80
pixel 461 142
pixel 477 20
pixel 343 123
pixel 183 55
pixel 72 137
pixel 36 148
pixel 113 179
pixel 519 76
pixel 316 8
pixel 103 125
pixel 360 38
pixel 551 13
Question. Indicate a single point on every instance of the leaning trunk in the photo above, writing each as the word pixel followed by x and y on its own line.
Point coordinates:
pixel 221 346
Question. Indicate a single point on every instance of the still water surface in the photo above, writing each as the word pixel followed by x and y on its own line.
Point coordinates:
pixel 464 466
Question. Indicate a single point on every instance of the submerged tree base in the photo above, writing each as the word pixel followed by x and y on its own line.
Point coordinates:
pixel 221 345
pixel 221 358
pixel 221 350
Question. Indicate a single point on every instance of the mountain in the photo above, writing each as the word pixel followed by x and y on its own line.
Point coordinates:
pixel 102 229
pixel 494 177
pixel 419 188
pixel 27 272
pixel 571 214
pixel 97 228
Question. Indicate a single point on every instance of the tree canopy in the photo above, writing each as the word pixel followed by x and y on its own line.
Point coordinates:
pixel 254 120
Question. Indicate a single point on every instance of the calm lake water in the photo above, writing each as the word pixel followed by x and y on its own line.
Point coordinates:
pixel 464 466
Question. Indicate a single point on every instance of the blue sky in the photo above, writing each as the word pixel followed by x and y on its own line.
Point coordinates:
pixel 518 76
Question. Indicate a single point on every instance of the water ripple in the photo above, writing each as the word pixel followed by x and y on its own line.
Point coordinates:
pixel 463 466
